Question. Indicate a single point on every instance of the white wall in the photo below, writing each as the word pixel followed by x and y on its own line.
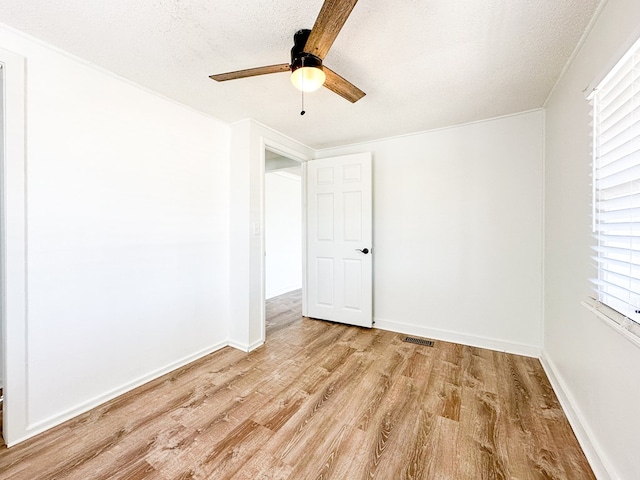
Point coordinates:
pixel 128 235
pixel 283 233
pixel 132 204
pixel 594 367
pixel 457 232
pixel 1 220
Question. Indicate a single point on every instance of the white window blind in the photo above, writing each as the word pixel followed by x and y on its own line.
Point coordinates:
pixel 616 132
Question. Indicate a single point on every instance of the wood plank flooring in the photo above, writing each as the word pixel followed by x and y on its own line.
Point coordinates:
pixel 320 401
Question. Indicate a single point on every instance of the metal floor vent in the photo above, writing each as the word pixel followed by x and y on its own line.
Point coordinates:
pixel 419 341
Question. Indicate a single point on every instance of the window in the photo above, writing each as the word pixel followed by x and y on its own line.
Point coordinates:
pixel 616 202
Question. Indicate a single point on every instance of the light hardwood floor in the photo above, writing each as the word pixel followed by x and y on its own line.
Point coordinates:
pixel 318 401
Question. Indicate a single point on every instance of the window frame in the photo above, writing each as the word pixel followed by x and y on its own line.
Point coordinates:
pixel 616 204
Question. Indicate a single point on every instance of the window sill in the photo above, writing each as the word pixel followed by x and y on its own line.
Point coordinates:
pixel 615 320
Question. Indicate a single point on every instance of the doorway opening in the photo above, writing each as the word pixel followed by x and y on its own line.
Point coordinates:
pixel 283 240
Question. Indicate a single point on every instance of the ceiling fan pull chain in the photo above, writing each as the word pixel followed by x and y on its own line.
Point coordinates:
pixel 302 112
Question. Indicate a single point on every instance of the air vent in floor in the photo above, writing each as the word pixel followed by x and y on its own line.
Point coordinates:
pixel 419 341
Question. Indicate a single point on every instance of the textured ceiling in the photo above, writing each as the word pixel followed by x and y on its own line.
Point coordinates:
pixel 423 64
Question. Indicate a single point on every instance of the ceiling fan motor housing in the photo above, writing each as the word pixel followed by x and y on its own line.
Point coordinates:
pixel 300 58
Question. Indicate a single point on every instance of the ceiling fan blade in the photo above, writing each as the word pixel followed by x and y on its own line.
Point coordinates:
pixel 251 72
pixel 332 17
pixel 342 87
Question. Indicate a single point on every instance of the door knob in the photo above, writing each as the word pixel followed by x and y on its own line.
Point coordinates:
pixel 364 250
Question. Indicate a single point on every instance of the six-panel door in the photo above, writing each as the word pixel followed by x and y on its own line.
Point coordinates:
pixel 339 232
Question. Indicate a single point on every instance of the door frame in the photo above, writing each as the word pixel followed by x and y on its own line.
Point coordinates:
pixel 275 147
pixel 13 251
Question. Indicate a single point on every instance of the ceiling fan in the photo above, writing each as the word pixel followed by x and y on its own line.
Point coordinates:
pixel 309 49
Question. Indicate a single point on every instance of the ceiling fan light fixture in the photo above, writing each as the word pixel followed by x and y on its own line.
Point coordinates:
pixel 308 52
pixel 308 79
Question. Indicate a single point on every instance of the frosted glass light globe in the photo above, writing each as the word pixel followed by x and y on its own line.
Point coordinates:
pixel 308 79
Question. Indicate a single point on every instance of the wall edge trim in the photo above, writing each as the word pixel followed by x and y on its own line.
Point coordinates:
pixel 41 426
pixel 94 66
pixel 576 50
pixel 245 347
pixel 598 461
pixel 320 152
pixel 456 337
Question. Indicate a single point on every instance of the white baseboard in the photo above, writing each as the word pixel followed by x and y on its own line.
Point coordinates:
pixel 244 346
pixel 602 468
pixel 455 337
pixel 50 422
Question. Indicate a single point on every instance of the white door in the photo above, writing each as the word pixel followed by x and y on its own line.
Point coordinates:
pixel 339 239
